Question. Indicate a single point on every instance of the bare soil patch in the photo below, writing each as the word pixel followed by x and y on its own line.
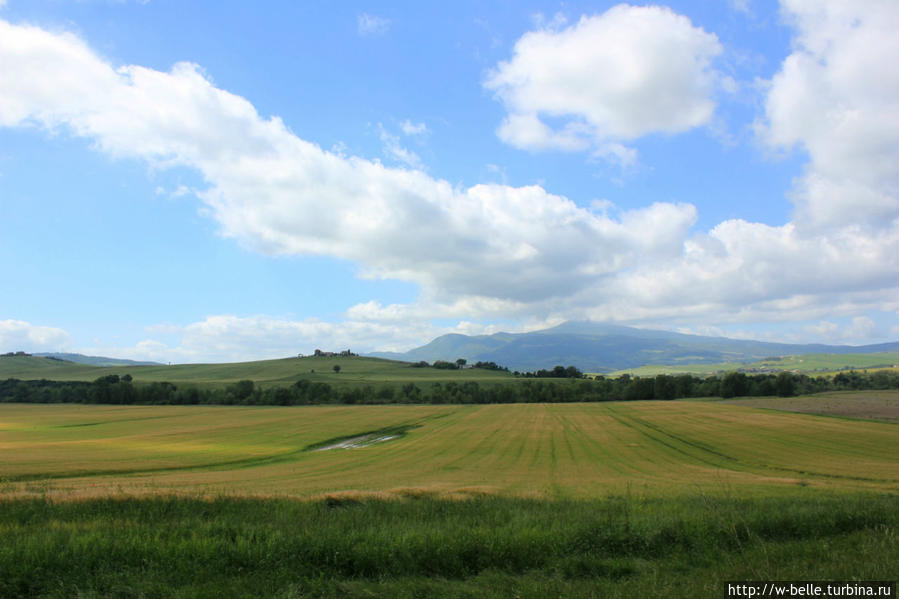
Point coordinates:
pixel 870 405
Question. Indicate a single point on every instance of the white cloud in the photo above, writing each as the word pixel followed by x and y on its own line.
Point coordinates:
pixel 860 330
pixel 741 6
pixel 229 338
pixel 396 151
pixel 837 97
pixel 367 24
pixel 410 128
pixel 609 78
pixel 283 195
pixel 17 335
pixel 823 329
pixel 486 251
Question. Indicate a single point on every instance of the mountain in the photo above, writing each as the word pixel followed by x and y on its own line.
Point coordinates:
pixel 94 360
pixel 597 347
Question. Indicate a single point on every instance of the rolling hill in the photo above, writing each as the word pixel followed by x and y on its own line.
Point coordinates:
pixel 354 370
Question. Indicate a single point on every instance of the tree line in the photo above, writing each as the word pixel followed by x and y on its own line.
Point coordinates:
pixel 113 389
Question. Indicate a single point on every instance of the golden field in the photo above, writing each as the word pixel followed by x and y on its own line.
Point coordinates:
pixel 548 451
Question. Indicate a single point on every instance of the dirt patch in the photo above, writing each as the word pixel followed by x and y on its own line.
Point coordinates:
pixel 868 405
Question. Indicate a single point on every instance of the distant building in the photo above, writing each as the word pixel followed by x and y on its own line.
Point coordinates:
pixel 331 354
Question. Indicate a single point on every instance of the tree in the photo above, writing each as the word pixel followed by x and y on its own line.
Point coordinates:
pixel 461 362
pixel 241 390
pixel 785 384
pixel 664 387
pixel 337 368
pixel 734 384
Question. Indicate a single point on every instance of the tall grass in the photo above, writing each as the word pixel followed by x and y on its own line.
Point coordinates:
pixel 425 547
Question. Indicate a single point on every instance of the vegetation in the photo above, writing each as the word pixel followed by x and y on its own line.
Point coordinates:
pixel 354 371
pixel 547 450
pixel 621 546
pixel 112 389
pixel 655 499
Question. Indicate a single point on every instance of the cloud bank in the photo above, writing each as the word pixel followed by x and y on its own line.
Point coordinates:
pixel 496 251
pixel 17 335
pixel 836 97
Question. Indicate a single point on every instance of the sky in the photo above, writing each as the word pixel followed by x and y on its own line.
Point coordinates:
pixel 221 181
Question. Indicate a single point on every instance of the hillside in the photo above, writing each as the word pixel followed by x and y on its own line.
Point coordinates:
pixel 354 370
pixel 595 347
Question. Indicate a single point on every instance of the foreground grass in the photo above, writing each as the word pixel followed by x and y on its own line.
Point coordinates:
pixel 623 546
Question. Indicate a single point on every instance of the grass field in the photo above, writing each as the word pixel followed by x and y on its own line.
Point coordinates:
pixel 353 371
pixel 658 499
pixel 493 547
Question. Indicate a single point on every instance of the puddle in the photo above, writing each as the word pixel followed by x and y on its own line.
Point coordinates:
pixel 356 442
pixel 363 439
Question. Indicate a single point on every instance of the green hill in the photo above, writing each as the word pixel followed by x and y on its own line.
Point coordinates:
pixel 354 370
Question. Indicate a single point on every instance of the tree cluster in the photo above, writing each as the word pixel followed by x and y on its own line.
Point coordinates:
pixel 113 389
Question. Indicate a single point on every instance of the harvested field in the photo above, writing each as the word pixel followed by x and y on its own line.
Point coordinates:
pixel 542 450
pixel 868 405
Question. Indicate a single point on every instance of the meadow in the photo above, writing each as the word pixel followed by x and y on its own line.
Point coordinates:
pixel 577 500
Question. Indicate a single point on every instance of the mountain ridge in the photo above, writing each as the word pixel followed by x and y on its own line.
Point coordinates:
pixel 603 347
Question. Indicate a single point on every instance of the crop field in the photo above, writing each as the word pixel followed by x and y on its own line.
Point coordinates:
pixel 869 405
pixel 543 451
pixel 618 499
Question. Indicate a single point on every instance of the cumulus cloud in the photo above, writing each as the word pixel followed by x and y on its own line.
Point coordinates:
pixel 836 97
pixel 484 251
pixel 608 79
pixel 283 195
pixel 367 24
pixel 17 335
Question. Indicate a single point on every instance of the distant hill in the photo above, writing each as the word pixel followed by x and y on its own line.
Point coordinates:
pixel 94 360
pixel 354 371
pixel 596 347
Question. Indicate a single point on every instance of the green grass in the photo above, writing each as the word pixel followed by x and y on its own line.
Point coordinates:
pixel 806 364
pixel 353 371
pixel 618 546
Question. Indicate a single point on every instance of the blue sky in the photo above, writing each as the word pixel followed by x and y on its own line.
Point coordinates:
pixel 224 181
